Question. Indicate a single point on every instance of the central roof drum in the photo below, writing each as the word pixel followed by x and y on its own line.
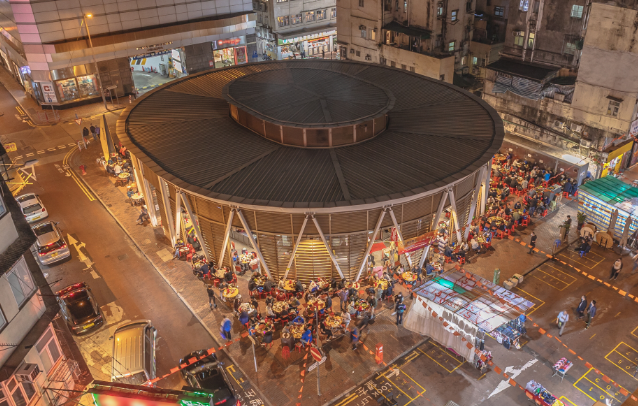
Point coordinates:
pixel 311 134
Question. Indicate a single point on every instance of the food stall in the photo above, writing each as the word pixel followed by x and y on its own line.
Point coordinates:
pixel 541 395
pixel 599 198
pixel 468 305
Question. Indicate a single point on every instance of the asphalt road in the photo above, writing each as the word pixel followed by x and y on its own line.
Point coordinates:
pixel 125 284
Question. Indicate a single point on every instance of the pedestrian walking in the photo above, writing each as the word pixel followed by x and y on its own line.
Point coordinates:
pixel 212 302
pixel 615 269
pixel 561 320
pixel 323 53
pixel 591 312
pixel 85 132
pixel 225 328
pixel 92 128
pixel 346 320
pixel 582 306
pixel 355 337
pixel 343 296
pixel 400 310
pixel 635 259
pixel 532 242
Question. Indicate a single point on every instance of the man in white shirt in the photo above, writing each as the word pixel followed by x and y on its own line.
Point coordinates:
pixel 562 319
pixel 117 169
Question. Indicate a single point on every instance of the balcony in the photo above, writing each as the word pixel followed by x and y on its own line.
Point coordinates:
pixel 424 63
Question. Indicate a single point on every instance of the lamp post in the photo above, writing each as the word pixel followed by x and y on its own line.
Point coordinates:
pixel 97 71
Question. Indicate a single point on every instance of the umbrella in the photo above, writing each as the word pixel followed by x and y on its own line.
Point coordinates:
pixel 612 222
pixel 625 233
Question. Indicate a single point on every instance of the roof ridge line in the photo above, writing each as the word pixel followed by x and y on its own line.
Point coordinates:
pixel 210 185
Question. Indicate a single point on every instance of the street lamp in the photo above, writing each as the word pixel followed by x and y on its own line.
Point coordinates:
pixel 97 71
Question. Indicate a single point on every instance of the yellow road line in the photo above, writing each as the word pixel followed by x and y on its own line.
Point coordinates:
pixel 80 184
pixel 401 390
pixel 534 307
pixel 348 400
pixel 563 398
pixel 610 395
pixel 440 364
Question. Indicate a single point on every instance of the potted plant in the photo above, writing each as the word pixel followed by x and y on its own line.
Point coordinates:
pixel 581 218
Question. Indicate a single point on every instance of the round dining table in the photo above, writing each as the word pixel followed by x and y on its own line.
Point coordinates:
pixel 230 292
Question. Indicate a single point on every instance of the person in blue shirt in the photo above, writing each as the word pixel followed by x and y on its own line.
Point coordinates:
pixel 243 317
pixel 429 268
pixel 299 320
pixel 448 252
pixel 547 176
pixel 226 327
pixel 306 337
pixel 235 258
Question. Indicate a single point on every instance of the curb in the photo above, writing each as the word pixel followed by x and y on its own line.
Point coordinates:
pixel 167 282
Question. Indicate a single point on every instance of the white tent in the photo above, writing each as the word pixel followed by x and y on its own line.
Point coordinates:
pixel 453 307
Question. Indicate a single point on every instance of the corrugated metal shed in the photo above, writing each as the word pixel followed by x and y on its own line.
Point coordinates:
pixel 436 133
pixel 610 190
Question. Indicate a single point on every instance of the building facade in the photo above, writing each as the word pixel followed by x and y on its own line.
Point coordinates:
pixel 46 47
pixel 431 38
pixel 35 363
pixel 567 78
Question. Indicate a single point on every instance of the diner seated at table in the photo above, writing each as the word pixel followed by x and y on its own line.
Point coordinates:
pixel 294 303
pixel 266 337
pixel 306 337
pixel 312 287
pixel 243 317
pixel 351 308
pixel 299 320
pixel 476 246
pixel 298 286
pixel 228 275
pixel 254 264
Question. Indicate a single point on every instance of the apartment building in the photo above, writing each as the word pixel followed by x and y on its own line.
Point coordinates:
pixel 431 38
pixel 69 52
pixel 567 78
pixel 36 365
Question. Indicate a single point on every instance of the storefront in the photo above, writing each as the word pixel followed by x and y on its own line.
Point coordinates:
pixel 312 45
pixel 600 198
pixel 618 158
pixel 230 52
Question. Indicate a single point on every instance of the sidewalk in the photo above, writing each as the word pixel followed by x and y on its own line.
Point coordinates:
pixel 31 110
pixel 280 381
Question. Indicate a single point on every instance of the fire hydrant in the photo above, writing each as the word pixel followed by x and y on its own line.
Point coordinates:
pixel 82 169
pixel 378 356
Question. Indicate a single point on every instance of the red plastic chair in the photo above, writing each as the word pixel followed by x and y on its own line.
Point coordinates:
pixel 565 194
pixel 525 222
pixel 501 234
pixel 237 268
pixel 488 244
pixel 461 261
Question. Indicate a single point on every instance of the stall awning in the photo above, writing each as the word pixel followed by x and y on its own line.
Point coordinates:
pixel 469 297
pixel 609 190
pixel 410 31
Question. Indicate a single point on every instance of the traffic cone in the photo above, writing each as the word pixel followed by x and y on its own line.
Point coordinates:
pixel 82 169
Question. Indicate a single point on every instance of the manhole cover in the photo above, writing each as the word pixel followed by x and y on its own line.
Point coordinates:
pixel 122 257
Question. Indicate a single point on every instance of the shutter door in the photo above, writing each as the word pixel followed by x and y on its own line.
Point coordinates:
pixel 312 260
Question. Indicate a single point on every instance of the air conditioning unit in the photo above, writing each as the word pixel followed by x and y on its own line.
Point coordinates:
pixel 559 96
pixel 576 128
pixel 27 372
pixel 559 124
pixel 585 143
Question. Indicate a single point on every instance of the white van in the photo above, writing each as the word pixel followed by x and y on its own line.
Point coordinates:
pixel 134 353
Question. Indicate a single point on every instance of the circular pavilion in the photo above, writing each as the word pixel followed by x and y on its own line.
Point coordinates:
pixel 317 160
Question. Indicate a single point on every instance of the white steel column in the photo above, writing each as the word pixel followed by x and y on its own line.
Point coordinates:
pixel 189 210
pixel 253 242
pixel 229 225
pixel 440 210
pixel 485 186
pixel 424 255
pixel 294 251
pixel 178 214
pixel 148 197
pixel 374 236
pixel 323 238
pixel 477 189
pixel 399 235
pixel 167 209
pixel 456 215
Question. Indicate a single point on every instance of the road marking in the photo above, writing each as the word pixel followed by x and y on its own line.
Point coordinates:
pixel 592 388
pixel 347 400
pixel 625 359
pixel 41 152
pixel 563 398
pixel 512 374
pixel 71 145
pixel 592 336
pixel 61 146
pixel 573 256
pixel 94 274
pixel 534 307
pixel 83 188
pixel 30 154
pixel 18 157
pixel 441 353
pixel 51 149
pixel 557 278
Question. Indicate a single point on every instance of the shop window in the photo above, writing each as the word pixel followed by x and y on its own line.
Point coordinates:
pixel 373 34
pixel 530 40
pixel 282 21
pixel 474 61
pixel 310 16
pixel 333 12
pixel 360 3
pixel 296 19
pixel 321 14
pixel 68 89
pixel 20 392
pixel 577 11
pixel 451 46
pixel 21 282
pixel 519 38
pixel 612 109
pixel 364 33
pixel 499 11
pixel 440 11
pixel 524 5
pixel 88 86
pixel 570 47
pixel 455 14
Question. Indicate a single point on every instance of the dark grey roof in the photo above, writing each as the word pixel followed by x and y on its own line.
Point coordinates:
pixel 26 237
pixel 526 70
pixel 437 134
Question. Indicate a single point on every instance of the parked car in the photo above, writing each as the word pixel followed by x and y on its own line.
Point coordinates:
pixel 50 245
pixel 134 347
pixel 208 373
pixel 32 207
pixel 79 308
